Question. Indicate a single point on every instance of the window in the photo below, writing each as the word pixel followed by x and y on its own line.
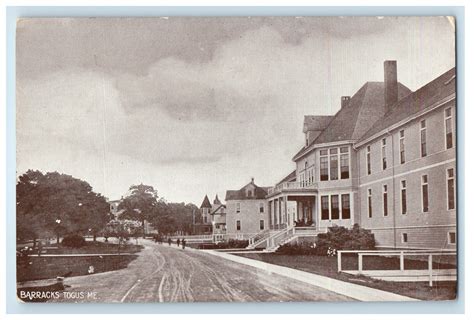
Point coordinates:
pixel 368 160
pixel 323 165
pixel 385 200
pixel 424 193
pixel 402 146
pixel 311 176
pixel 403 185
pixel 423 138
pixel 369 202
pixel 346 206
pixel 334 164
pixel 334 207
pixel 451 192
pixel 262 224
pixel 451 237
pixel 324 207
pixel 261 208
pixel 237 209
pixel 238 225
pixel 344 157
pixel 384 154
pixel 338 162
pixel 249 193
pixel 205 219
pixel 404 237
pixel 448 127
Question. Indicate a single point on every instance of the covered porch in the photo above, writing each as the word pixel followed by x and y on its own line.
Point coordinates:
pixel 289 209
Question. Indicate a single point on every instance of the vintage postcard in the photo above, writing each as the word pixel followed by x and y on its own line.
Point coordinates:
pixel 236 159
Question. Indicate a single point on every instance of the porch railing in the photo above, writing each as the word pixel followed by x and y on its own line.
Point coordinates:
pixel 294 185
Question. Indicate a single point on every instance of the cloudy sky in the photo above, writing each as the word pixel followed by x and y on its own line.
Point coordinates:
pixel 199 105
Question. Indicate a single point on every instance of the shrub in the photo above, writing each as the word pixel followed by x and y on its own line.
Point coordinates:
pixel 74 241
pixel 337 238
pixel 230 244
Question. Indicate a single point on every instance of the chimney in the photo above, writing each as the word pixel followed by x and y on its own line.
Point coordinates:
pixel 252 179
pixel 345 101
pixel 390 83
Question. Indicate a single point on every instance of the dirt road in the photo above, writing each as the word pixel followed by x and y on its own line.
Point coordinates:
pixel 170 274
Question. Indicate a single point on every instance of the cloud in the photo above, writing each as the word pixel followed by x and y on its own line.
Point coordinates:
pixel 150 107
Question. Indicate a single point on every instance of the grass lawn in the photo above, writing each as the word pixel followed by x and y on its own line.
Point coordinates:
pixel 327 266
pixel 52 267
pixel 95 248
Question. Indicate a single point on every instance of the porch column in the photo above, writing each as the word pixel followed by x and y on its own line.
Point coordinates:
pixel 316 213
pixel 270 219
pixel 285 199
pixel 275 214
pixel 279 213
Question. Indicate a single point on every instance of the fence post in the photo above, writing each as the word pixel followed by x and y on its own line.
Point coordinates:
pixel 360 262
pixel 402 261
pixel 430 269
pixel 339 262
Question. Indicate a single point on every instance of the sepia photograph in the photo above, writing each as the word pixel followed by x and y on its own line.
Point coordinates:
pixel 236 159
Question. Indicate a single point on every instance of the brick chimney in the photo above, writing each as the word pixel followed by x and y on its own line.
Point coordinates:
pixel 345 100
pixel 390 83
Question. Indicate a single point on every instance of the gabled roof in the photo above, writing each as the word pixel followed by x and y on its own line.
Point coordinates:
pixel 218 207
pixel 423 98
pixel 289 178
pixel 365 108
pixel 316 123
pixel 205 203
pixel 260 193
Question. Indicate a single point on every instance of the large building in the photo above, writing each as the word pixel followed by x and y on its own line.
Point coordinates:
pixel 386 161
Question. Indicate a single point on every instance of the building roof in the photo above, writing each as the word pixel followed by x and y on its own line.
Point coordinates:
pixel 290 177
pixel 206 203
pixel 422 99
pixel 218 207
pixel 260 193
pixel 351 122
pixel 316 123
pixel 216 200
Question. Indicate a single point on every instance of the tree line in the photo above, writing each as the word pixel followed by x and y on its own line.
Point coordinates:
pixel 53 205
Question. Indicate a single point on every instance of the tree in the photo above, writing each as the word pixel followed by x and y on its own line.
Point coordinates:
pixel 57 204
pixel 140 204
pixel 122 230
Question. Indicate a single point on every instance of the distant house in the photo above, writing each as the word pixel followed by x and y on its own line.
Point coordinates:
pixel 218 214
pixel 114 210
pixel 246 211
pixel 202 223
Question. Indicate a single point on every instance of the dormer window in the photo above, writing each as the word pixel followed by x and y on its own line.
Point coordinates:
pixel 249 193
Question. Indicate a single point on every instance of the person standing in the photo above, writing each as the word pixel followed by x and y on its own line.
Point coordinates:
pixel 183 243
pixel 177 242
pixel 169 241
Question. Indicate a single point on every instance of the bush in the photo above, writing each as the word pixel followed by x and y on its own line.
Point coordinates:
pixel 230 244
pixel 337 238
pixel 73 241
